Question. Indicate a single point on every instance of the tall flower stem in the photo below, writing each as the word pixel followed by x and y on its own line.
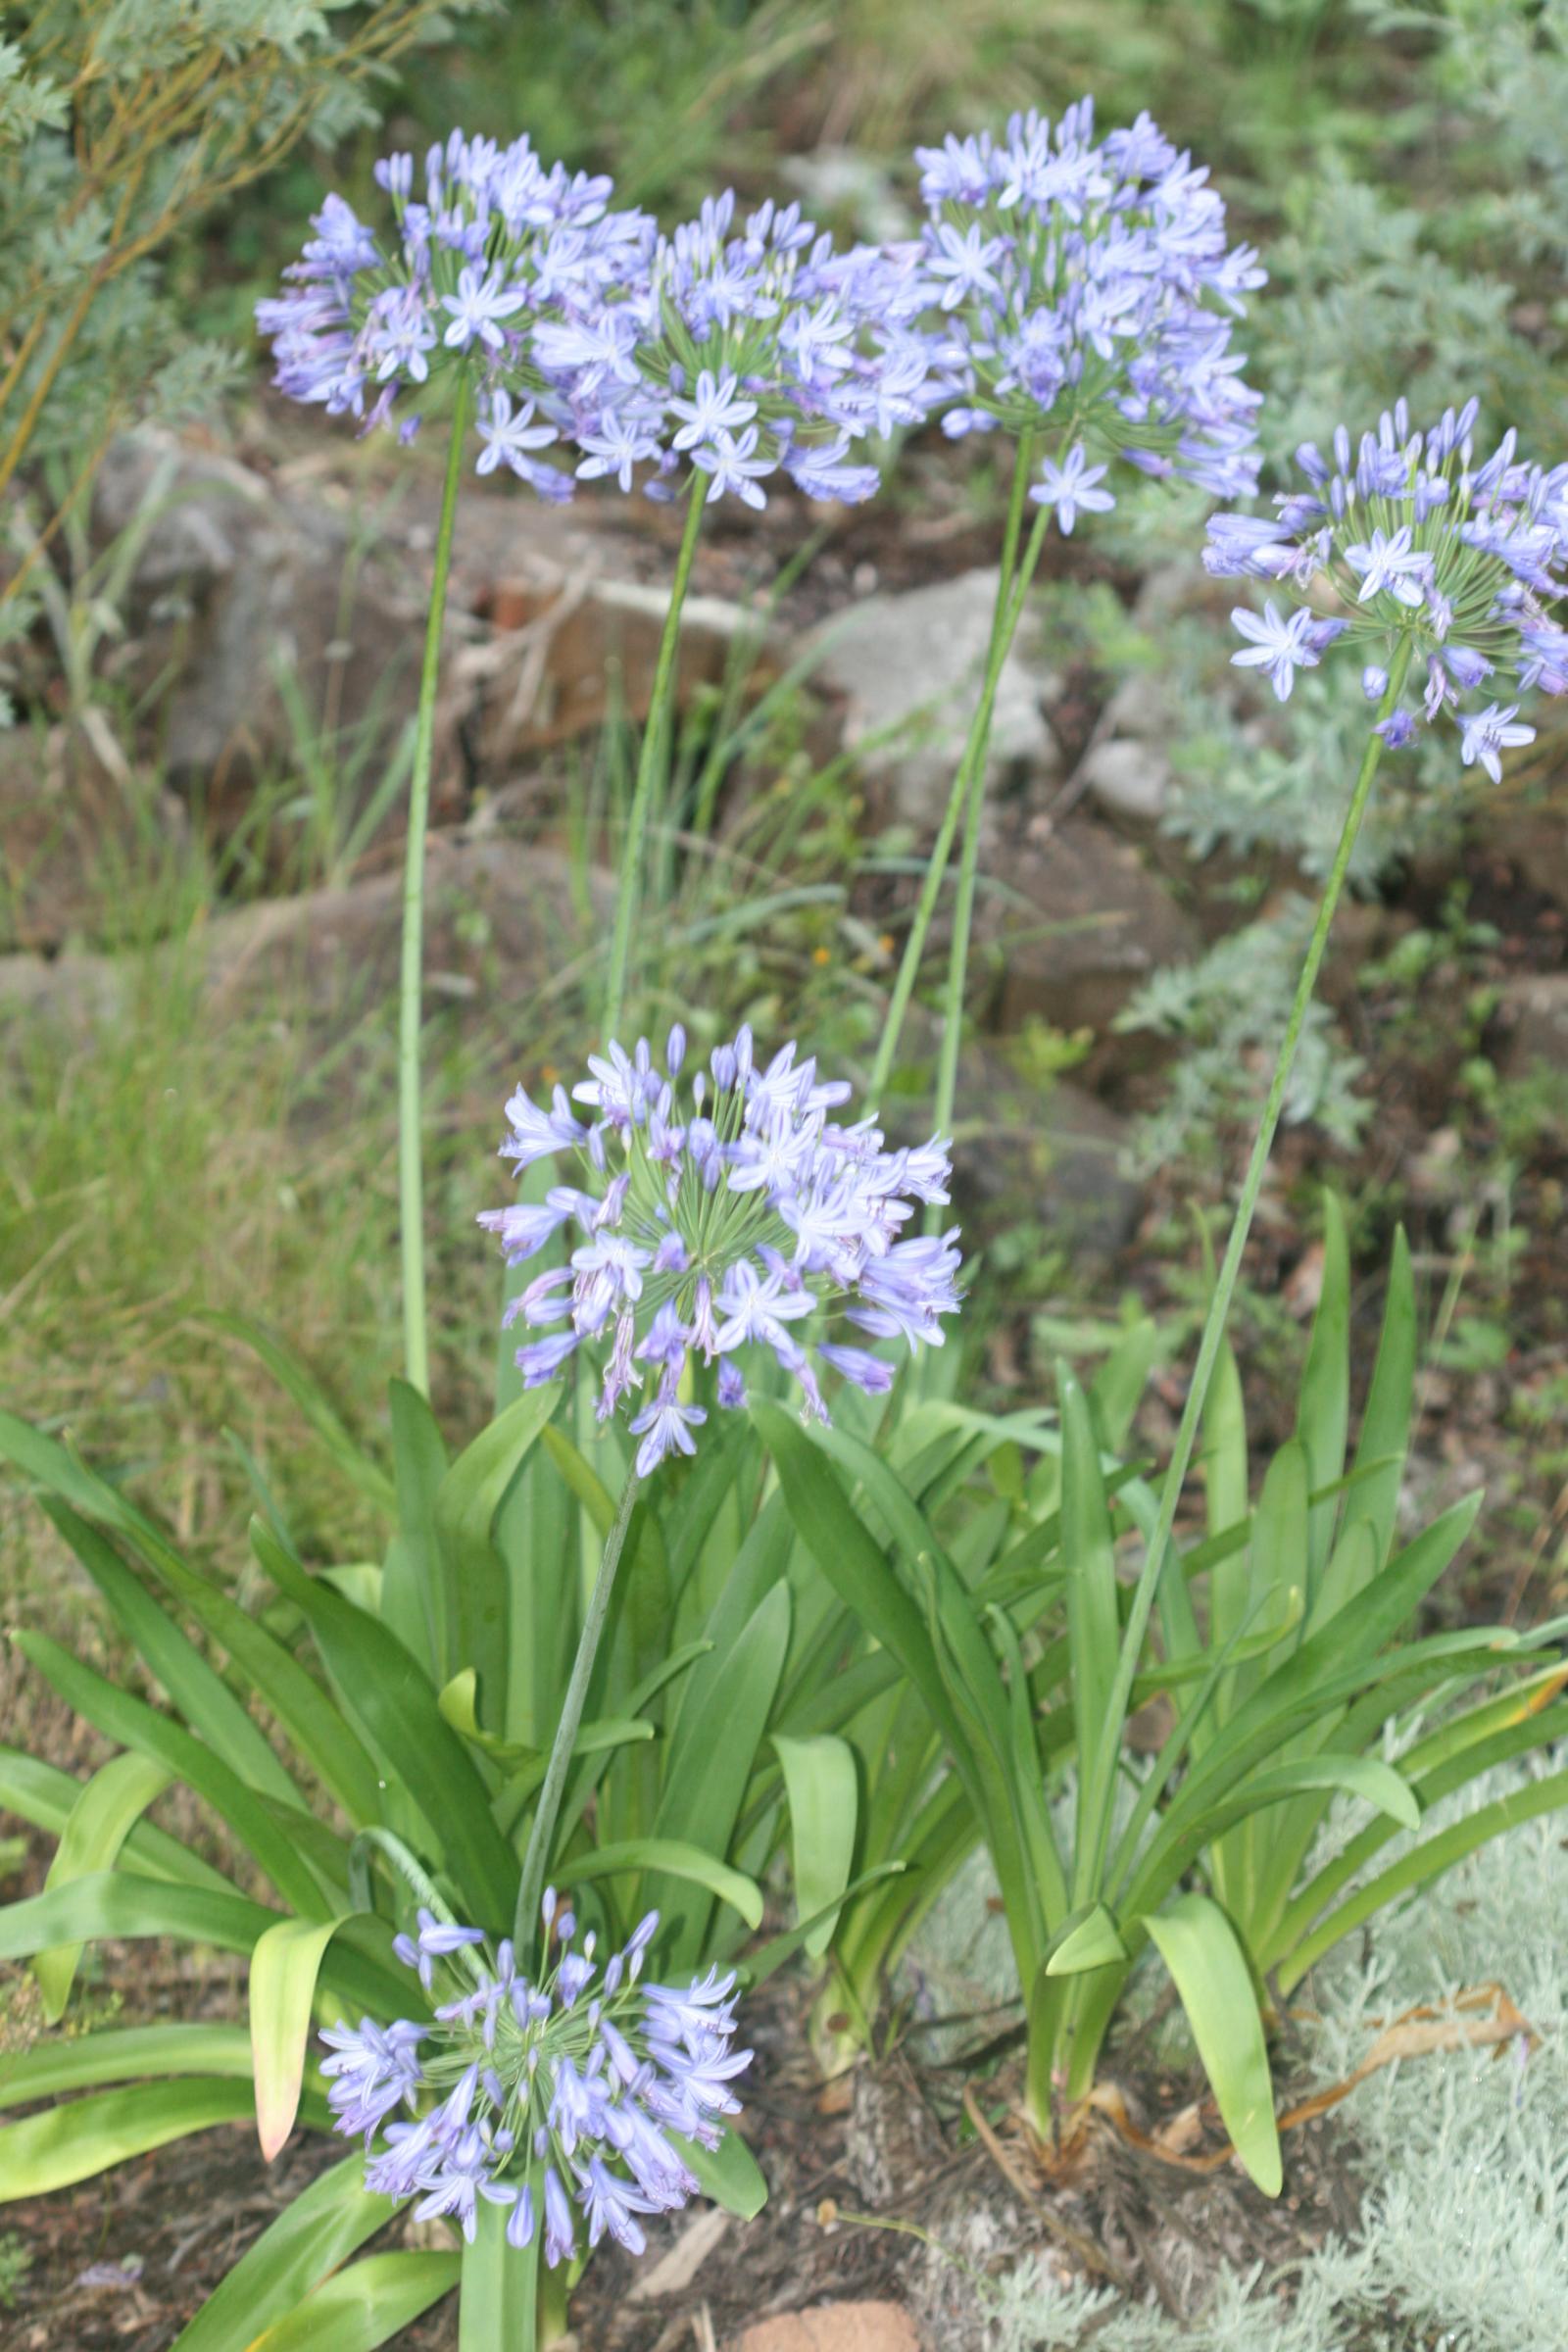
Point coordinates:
pixel 411 1155
pixel 1004 623
pixel 970 855
pixel 649 760
pixel 1224 1288
pixel 536 1859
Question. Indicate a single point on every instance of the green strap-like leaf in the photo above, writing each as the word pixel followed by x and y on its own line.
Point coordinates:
pixel 1199 1946
pixel 134 1724
pixel 1323 1408
pixel 397 1707
pixel 201 1696
pixel 121 2054
pixel 728 2174
pixel 465 1507
pixel 112 1903
pixel 284 1967
pixel 82 2138
pixel 677 1861
pixel 102 1818
pixel 310 2238
pixel 1088 1940
pixel 414 1586
pixel 820 1781
pixel 363 2306
pixel 45 1796
pixel 1378 1472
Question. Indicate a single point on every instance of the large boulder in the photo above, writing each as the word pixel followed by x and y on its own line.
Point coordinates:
pixel 904 671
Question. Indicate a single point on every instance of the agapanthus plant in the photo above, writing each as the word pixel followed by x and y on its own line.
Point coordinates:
pixel 1082 300
pixel 1410 551
pixel 563 2100
pixel 714 1219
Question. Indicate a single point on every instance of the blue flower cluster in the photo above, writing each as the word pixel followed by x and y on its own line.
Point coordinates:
pixel 732 349
pixel 1057 278
pixel 1405 538
pixel 1090 285
pixel 729 1217
pixel 543 2097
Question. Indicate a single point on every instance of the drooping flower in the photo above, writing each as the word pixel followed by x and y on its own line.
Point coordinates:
pixel 727 1214
pixel 1086 287
pixel 537 2096
pixel 1406 539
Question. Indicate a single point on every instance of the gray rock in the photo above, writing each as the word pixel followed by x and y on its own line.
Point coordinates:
pixel 1126 771
pixel 904 670
pixel 276 615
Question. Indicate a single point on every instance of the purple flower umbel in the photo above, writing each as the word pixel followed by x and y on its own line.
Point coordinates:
pixel 714 1218
pixel 1408 538
pixel 1084 287
pixel 536 2096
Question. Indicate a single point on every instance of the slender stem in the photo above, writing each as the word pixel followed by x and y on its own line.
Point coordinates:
pixel 649 762
pixel 969 856
pixel 411 1165
pixel 536 1860
pixel 1224 1288
pixel 979 735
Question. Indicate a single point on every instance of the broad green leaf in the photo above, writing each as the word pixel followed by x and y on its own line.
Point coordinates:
pixel 45 1796
pixel 363 2306
pixel 397 1707
pixel 414 1582
pixel 674 1860
pixel 1306 1680
pixel 134 1724
pixel 1199 1946
pixel 110 1805
pixel 498 2293
pixel 284 1967
pixel 1366 1777
pixel 1378 1471
pixel 728 2174
pixel 1094 1625
pixel 112 1903
pixel 1225 1456
pixel 854 1566
pixel 201 1696
pixel 121 2054
pixel 297 1700
pixel 1424 1863
pixel 704 1787
pixel 538 1534
pixel 1323 1408
pixel 465 1507
pixel 1088 1940
pixel 356 1465
pixel 85 2136
pixel 820 1781
pixel 312 2235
